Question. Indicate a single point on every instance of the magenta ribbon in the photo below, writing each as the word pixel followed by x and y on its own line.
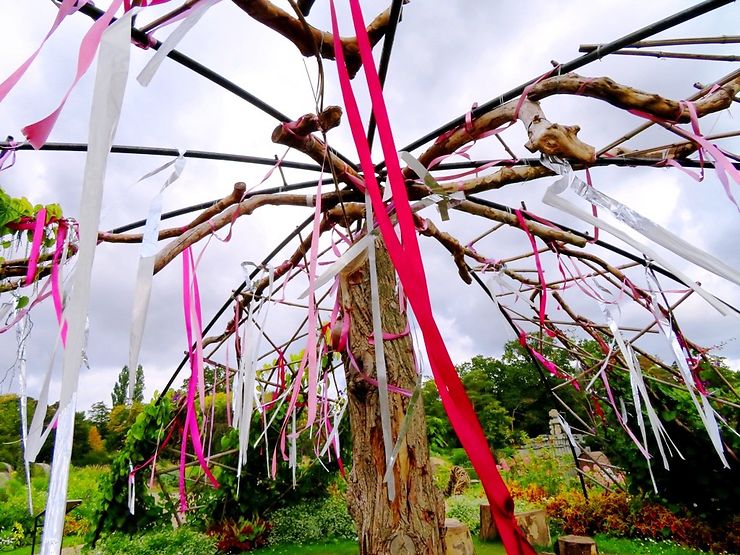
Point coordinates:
pixel 38 237
pixel 191 304
pixel 37 133
pixel 407 260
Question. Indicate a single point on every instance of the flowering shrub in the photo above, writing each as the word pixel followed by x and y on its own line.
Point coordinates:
pixel 15 537
pixel 234 536
pixel 621 515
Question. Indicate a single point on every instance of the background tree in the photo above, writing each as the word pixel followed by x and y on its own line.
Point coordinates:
pixel 120 388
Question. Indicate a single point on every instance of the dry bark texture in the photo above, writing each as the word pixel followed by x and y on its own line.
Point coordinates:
pixel 308 39
pixel 414 522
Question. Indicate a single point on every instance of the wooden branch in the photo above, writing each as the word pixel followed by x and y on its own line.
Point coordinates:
pixel 542 231
pixel 298 135
pixel 308 43
pixel 600 88
pixel 628 98
pixel 232 198
pixel 192 236
pixel 501 178
pixel 453 245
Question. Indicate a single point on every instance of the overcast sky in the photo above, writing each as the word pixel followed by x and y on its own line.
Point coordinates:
pixel 447 55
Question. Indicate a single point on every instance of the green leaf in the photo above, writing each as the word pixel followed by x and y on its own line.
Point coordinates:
pixel 22 302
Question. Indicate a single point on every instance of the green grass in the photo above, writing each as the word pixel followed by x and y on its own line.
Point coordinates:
pixel 26 550
pixel 606 545
pixel 350 548
pixel 623 546
pixel 336 548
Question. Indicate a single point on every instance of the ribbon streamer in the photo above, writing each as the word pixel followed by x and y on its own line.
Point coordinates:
pixel 173 40
pixel 22 334
pixel 552 198
pixel 110 85
pixel 145 269
pixel 407 260
pixel 647 227
pixel 380 366
pixel 703 407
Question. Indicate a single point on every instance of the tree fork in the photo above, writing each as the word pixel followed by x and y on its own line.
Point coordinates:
pixel 414 521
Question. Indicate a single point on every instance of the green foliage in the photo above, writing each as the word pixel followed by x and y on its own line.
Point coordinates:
pixel 120 388
pixel 83 484
pixel 544 469
pixel 10 431
pixel 166 541
pixel 466 509
pixel 623 546
pixel 258 493
pixel 698 481
pixel 508 394
pixel 312 522
pixel 621 515
pixel 14 209
pixel 14 537
pixel 143 437
pixel 99 415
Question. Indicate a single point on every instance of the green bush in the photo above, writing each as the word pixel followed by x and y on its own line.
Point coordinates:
pixel 180 541
pixel 312 522
pixel 466 509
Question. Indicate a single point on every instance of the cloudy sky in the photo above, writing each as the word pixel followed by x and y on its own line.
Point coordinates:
pixel 447 56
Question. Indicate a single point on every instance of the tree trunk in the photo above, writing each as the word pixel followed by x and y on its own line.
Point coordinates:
pixel 414 522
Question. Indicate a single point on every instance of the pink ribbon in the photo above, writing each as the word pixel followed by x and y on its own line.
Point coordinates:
pixel 38 236
pixel 191 304
pixel 37 133
pixel 408 263
pixel 67 7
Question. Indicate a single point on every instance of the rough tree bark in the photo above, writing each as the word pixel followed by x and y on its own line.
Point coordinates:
pixel 414 522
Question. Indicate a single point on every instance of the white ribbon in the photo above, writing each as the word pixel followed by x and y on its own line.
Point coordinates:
pixel 244 390
pixel 22 334
pixel 110 84
pixel 645 226
pixel 569 434
pixel 380 367
pixel 131 489
pixel 145 269
pixel 173 40
pixel 342 262
pixel 552 198
pixel 442 200
pixel 703 407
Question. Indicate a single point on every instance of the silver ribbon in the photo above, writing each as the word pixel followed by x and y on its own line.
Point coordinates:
pixel 552 198
pixel 380 367
pixel 110 85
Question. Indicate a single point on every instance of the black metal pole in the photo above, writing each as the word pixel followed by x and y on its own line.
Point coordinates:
pixel 159 151
pixel 572 65
pixel 543 377
pixel 385 58
pixel 233 295
pixel 138 35
pixel 208 204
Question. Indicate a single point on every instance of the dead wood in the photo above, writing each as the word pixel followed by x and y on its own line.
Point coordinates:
pixel 600 88
pixel 540 230
pixel 308 39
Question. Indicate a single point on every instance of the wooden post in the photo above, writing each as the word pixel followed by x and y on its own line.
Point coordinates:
pixel 576 545
pixel 488 531
pixel 414 522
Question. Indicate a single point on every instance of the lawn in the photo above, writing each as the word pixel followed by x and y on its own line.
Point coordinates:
pixel 606 545
pixel 350 548
pixel 26 549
